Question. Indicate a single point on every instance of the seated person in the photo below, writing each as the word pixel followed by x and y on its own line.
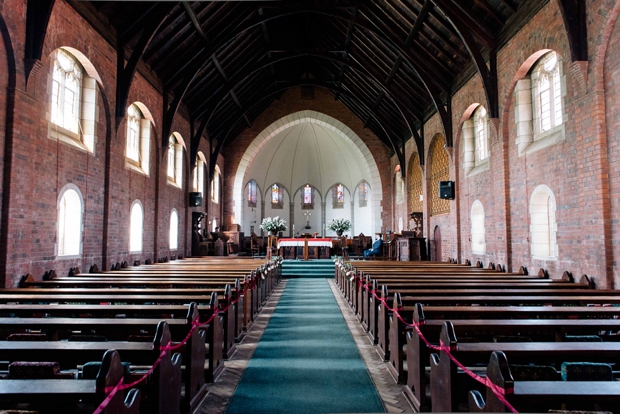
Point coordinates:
pixel 376 248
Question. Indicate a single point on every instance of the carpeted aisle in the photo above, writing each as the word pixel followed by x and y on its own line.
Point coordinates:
pixel 306 361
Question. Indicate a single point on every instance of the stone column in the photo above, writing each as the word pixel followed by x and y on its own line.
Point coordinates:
pixel 291 207
pixel 323 206
pixel 262 214
pixel 352 218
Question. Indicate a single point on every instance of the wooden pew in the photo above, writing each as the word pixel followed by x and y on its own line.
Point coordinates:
pixel 540 396
pixel 136 296
pixel 444 381
pixel 506 321
pixel 55 395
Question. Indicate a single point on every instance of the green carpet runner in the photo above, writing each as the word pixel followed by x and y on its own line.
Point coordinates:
pixel 321 268
pixel 306 360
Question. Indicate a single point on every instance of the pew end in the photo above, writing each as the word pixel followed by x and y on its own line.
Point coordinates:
pixel 586 280
pixel 476 402
pixel 567 277
pixel 25 280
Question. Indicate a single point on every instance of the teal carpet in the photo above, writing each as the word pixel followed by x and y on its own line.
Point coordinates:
pixel 306 360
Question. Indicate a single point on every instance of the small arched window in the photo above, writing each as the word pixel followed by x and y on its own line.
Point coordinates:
pixel 543 226
pixel 478 244
pixel 276 196
pixel 547 92
pixel 215 186
pixel 362 192
pixel 138 139
pixel 307 197
pixel 174 230
pixel 70 223
pixel 198 185
pixel 415 185
pixel 135 227
pixel 175 161
pixel 481 132
pixel 338 196
pixel 252 194
pixel 399 185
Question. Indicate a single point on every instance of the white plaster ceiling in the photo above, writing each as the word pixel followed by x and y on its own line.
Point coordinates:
pixel 308 153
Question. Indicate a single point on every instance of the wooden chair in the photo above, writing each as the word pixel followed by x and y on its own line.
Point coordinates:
pixel 255 245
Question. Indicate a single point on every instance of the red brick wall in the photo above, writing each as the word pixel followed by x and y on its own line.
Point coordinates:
pixel 41 167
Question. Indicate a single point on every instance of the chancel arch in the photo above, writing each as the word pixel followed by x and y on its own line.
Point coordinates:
pixel 309 147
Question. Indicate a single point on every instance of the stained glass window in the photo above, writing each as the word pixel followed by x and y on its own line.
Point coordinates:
pixel 252 199
pixel 363 194
pixel 307 194
pixel 440 171
pixel 415 185
pixel 275 194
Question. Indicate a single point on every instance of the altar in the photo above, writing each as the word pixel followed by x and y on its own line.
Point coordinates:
pixel 291 248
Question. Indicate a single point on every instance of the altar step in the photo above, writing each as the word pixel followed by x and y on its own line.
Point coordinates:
pixel 316 268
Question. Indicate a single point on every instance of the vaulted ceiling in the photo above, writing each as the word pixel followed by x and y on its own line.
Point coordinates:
pixel 394 63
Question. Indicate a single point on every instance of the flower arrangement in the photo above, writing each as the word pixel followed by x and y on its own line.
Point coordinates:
pixel 274 224
pixel 339 225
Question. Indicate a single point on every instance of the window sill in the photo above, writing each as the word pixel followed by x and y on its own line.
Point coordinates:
pixel 129 164
pixel 173 183
pixel 68 256
pixel 545 258
pixel 546 139
pixel 482 165
pixel 58 133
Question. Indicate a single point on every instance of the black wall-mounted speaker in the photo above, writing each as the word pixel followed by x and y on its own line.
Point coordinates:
pixel 195 199
pixel 446 190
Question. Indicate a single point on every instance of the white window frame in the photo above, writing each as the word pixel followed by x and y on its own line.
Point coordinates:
pixel 543 224
pixel 532 136
pixel 136 232
pixel 174 230
pixel 478 241
pixel 215 186
pixel 174 169
pixel 199 176
pixel 475 160
pixel 138 138
pixel 80 129
pixel 399 183
pixel 69 242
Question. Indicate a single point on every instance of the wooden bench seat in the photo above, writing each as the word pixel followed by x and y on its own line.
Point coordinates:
pixel 52 395
pixel 444 379
pixel 540 396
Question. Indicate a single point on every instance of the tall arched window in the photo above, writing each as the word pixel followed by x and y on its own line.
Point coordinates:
pixel 399 186
pixel 70 222
pixel 73 101
pixel 215 185
pixel 198 185
pixel 478 244
pixel 252 194
pixel 543 226
pixel 547 92
pixel 135 227
pixel 175 161
pixel 440 171
pixel 174 230
pixel 138 139
pixel 362 191
pixel 539 112
pixel 338 196
pixel 481 132
pixel 307 197
pixel 415 185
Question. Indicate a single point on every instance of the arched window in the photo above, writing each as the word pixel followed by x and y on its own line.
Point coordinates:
pixel 399 186
pixel 440 171
pixel 73 102
pixel 362 192
pixel 481 132
pixel 198 185
pixel 70 223
pixel 415 185
pixel 478 244
pixel 338 196
pixel 138 139
pixel 135 227
pixel 277 198
pixel 547 92
pixel 543 226
pixel 539 105
pixel 252 194
pixel 175 161
pixel 174 230
pixel 215 186
pixel 307 197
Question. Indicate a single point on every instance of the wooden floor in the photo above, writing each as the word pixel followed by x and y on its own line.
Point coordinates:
pixel 224 387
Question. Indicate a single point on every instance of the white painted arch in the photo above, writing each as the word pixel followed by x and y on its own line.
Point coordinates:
pixel 324 121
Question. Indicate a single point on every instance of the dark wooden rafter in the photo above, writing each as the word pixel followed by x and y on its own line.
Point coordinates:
pixel 419 21
pixel 476 26
pixel 233 96
pixel 38 14
pixel 126 72
pixel 488 75
pixel 347 43
pixel 574 15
